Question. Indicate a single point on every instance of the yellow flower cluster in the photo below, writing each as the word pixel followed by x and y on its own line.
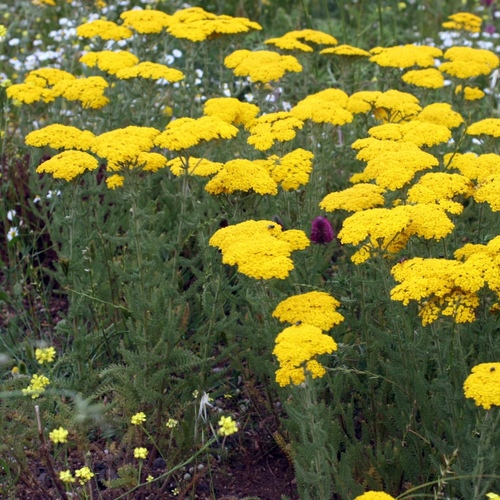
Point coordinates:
pixel 185 133
pixel 440 113
pixel 59 136
pixel 417 132
pixel 109 61
pixel 267 129
pixel 430 78
pixel 260 249
pixel 231 110
pixel 129 147
pixel 483 385
pixel 37 386
pixel 374 495
pixel 45 355
pixel 291 170
pixel 146 22
pixel 107 30
pixel 294 40
pixel 467 62
pixel 140 453
pixel 469 93
pixel 261 66
pixel 138 418
pixel 327 106
pixel 473 166
pixel 489 191
pixel 363 102
pixel 345 51
pixel 387 231
pixel 88 91
pixel 440 188
pixel 296 349
pixel 441 287
pixel 463 21
pixel 354 199
pixel 197 25
pixel 405 56
pixel 68 165
pixel 488 126
pixel 152 71
pixel 59 435
pixel 396 106
pixel 227 426
pixel 314 308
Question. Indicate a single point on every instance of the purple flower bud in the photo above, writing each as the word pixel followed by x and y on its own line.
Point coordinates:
pixel 321 231
pixel 487 3
pixel 490 29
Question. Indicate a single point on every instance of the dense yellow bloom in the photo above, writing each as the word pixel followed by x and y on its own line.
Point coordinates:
pixel 260 249
pixel 242 175
pixel 107 30
pixel 146 21
pixel 473 166
pixel 488 126
pixel 470 93
pixel 346 51
pixel 428 78
pixel 417 132
pixel 463 21
pixel 227 426
pixel 115 181
pixel 293 40
pixel 45 355
pixel 394 169
pixel 59 435
pixel 153 71
pixel 196 24
pixel 363 102
pixel 109 61
pixel 440 188
pixel 441 286
pixel 359 197
pixel 89 91
pixel 291 170
pixel 59 136
pixel 267 129
pixel 370 148
pixel 483 385
pixel 388 230
pixel 138 418
pixel 124 148
pixel 262 65
pixel 185 133
pixel 396 106
pixel 46 77
pixel 66 477
pixel 406 56
pixel 140 453
pixel 231 110
pixel 440 113
pixel 84 474
pixel 193 166
pixel 314 308
pixel 37 386
pixel 28 93
pixel 489 191
pixel 327 106
pixel 375 495
pixel 296 349
pixel 68 165
pixel 467 62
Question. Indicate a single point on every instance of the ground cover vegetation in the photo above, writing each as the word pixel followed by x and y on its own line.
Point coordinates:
pixel 234 226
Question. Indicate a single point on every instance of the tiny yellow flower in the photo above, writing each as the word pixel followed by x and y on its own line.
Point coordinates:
pixel 66 477
pixel 46 355
pixel 140 453
pixel 84 474
pixel 227 426
pixel 138 418
pixel 59 435
pixel 171 423
pixel 149 478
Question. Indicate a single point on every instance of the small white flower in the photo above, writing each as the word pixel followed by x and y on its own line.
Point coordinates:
pixel 176 53
pixel 36 199
pixel 204 402
pixel 11 214
pixel 13 233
